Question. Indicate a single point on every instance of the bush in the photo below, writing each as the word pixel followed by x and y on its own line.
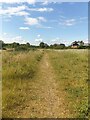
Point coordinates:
pixel 81 47
pixel 21 48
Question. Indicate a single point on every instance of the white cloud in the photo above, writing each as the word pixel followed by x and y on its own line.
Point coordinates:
pixel 21 11
pixel 83 18
pixel 42 19
pixel 17 39
pixel 31 21
pixel 34 21
pixel 45 27
pixel 55 40
pixel 5 33
pixel 44 9
pixel 38 35
pixel 17 1
pixel 24 28
pixel 8 38
pixel 45 2
pixel 18 11
pixel 38 40
pixel 68 22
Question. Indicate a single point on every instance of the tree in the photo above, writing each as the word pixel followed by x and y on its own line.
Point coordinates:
pixel 81 43
pixel 46 45
pixel 14 45
pixel 28 44
pixel 42 45
pixel 62 46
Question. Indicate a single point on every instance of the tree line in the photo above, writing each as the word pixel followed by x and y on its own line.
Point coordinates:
pixel 27 46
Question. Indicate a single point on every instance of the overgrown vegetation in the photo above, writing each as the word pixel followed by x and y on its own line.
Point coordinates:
pixel 25 47
pixel 23 86
pixel 19 69
pixel 71 67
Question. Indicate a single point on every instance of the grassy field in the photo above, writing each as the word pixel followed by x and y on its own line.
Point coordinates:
pixel 71 67
pixel 43 83
pixel 19 68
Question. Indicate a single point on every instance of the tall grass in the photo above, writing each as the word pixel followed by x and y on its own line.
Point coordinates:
pixel 71 67
pixel 19 69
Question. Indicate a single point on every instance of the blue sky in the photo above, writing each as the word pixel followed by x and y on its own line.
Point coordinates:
pixel 50 22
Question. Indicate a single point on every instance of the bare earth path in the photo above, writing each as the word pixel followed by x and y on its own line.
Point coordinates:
pixel 48 101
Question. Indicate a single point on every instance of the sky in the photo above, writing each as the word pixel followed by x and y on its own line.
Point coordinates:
pixel 50 22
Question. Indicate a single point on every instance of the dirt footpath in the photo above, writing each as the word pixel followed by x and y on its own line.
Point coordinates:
pixel 49 100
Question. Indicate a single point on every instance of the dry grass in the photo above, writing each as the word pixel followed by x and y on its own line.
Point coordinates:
pixel 19 69
pixel 71 67
pixel 29 86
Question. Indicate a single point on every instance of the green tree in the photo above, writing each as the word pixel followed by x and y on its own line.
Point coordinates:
pixel 14 45
pixel 28 44
pixel 81 43
pixel 42 45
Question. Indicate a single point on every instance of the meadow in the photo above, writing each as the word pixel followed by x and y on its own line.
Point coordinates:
pixel 18 70
pixel 41 83
pixel 71 67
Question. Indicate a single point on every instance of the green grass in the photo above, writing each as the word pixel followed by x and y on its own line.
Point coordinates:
pixel 21 83
pixel 71 67
pixel 19 69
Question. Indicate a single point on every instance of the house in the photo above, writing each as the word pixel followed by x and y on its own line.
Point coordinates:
pixel 74 45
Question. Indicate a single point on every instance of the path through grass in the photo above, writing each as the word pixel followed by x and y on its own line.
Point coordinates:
pixel 57 88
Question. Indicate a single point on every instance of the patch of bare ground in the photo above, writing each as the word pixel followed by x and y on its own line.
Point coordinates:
pixel 47 100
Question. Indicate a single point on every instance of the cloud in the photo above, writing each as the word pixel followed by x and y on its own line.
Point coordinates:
pixel 83 18
pixel 45 27
pixel 21 11
pixel 24 28
pixel 68 22
pixel 10 39
pixel 38 35
pixel 18 1
pixel 18 11
pixel 38 40
pixel 34 21
pixel 5 34
pixel 17 39
pixel 46 2
pixel 42 19
pixel 55 40
pixel 31 21
pixel 43 9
